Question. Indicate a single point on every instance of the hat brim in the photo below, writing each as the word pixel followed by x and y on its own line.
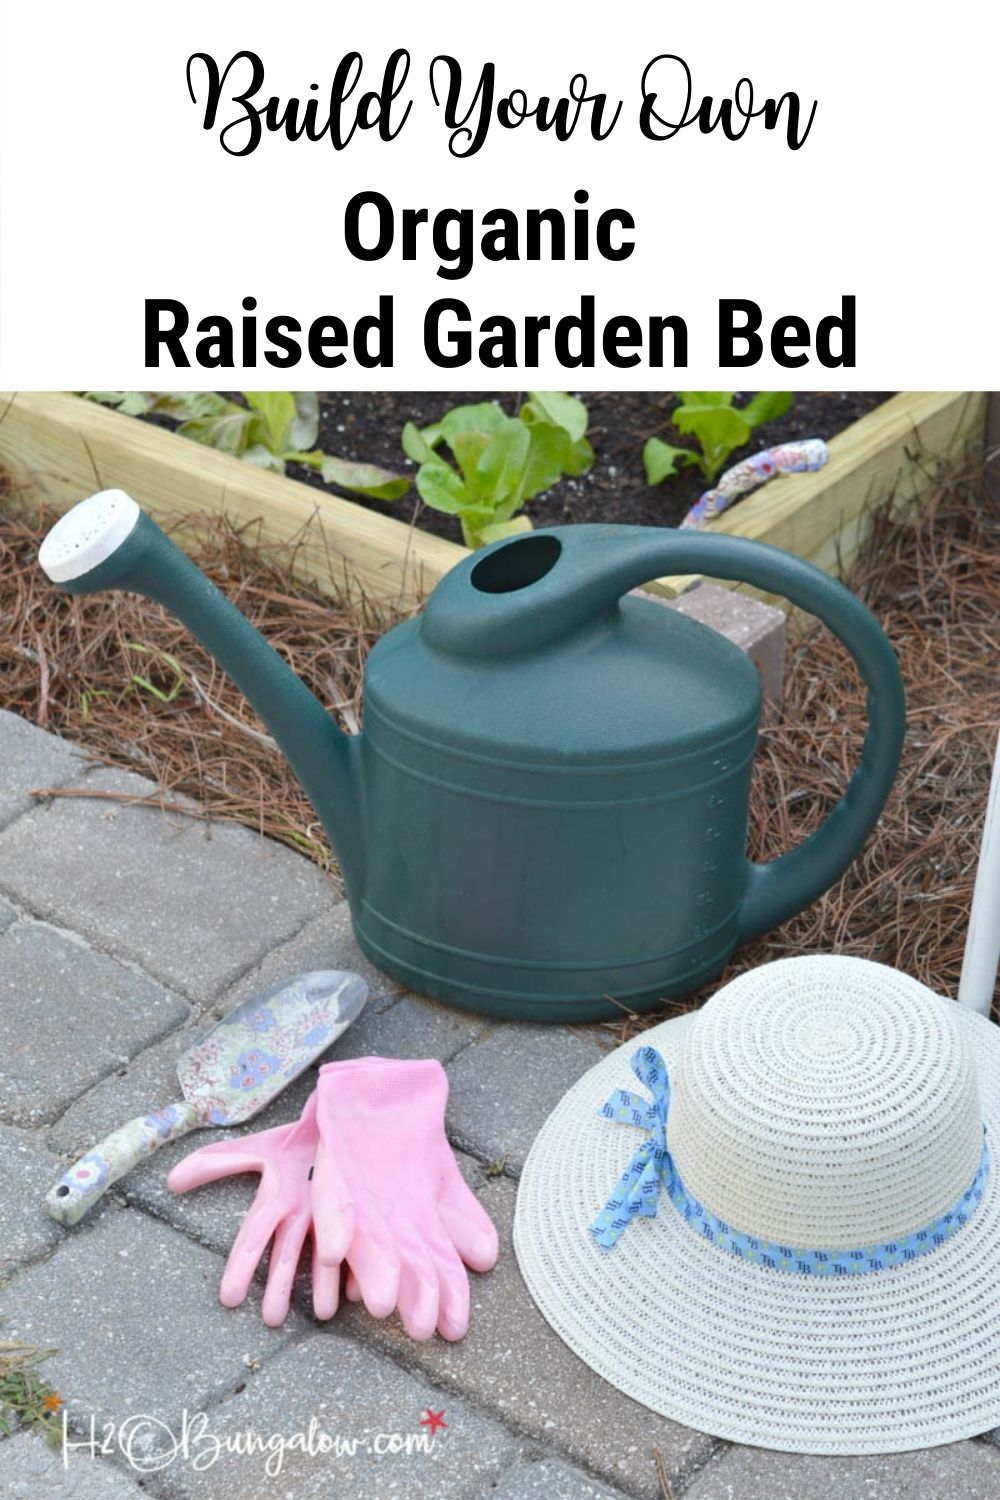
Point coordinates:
pixel 883 1362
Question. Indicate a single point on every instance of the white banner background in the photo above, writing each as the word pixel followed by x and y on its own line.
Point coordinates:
pixel 111 192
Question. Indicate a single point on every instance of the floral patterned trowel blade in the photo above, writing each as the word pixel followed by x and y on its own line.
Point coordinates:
pixel 226 1078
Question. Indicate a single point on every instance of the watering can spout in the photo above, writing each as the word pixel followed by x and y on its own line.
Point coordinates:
pixel 108 542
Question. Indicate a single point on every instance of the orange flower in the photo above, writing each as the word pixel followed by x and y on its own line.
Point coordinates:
pixel 53 1401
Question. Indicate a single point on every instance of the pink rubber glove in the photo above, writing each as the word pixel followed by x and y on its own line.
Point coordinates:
pixel 388 1196
pixel 281 1211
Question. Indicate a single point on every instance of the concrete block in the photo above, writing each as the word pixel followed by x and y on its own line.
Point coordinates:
pixel 969 1469
pixel 148 1081
pixel 31 1470
pixel 27 1171
pixel 196 905
pixel 68 1016
pixel 548 1479
pixel 412 1027
pixel 392 1024
pixel 32 758
pixel 757 628
pixel 327 942
pixel 512 1364
pixel 504 1087
pixel 357 1403
pixel 132 1310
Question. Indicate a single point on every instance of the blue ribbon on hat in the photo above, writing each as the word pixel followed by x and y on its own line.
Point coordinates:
pixel 639 1185
pixel 637 1192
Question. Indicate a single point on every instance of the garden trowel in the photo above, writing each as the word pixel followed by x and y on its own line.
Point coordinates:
pixel 226 1078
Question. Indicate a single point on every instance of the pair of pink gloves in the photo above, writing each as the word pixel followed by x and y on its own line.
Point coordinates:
pixel 368 1170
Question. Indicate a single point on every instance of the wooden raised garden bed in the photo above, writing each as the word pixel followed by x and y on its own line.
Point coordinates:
pixel 57 448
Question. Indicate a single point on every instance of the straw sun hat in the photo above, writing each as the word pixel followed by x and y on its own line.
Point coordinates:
pixel 786 1230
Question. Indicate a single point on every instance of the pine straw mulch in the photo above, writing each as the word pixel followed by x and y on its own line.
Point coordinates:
pixel 121 677
pixel 934 585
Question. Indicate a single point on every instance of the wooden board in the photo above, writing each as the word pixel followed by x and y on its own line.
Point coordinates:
pixel 823 516
pixel 58 448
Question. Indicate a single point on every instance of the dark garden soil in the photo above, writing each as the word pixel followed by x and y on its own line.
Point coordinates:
pixel 365 426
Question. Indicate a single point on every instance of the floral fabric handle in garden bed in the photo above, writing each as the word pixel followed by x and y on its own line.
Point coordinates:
pixel 788 458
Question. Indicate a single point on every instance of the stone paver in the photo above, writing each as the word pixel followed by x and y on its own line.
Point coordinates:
pixel 327 942
pixel 513 1364
pixel 392 1024
pixel 31 1470
pixel 548 1479
pixel 195 904
pixel 970 1470
pixel 27 1171
pixel 68 1016
pixel 131 1308
pixel 352 1394
pixel 129 1300
pixel 147 1082
pixel 211 1214
pixel 150 1080
pixel 413 1027
pixel 504 1087
pixel 32 759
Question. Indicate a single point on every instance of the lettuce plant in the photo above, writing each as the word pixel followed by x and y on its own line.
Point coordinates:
pixel 273 429
pixel 500 462
pixel 717 426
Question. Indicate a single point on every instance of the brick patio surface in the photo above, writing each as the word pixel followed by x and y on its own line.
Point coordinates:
pixel 124 933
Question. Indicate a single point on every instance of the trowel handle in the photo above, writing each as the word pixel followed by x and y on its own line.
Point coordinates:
pixel 88 1179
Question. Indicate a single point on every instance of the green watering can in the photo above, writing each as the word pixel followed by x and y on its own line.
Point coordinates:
pixel 546 815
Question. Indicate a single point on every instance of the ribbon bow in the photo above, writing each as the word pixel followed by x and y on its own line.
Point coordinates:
pixel 638 1187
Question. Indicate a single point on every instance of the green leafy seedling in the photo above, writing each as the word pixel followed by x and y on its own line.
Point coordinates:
pixel 717 426
pixel 24 1397
pixel 137 682
pixel 87 697
pixel 273 429
pixel 163 695
pixel 500 462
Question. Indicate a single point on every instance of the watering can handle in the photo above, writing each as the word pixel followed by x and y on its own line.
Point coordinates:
pixel 523 593
pixel 791 882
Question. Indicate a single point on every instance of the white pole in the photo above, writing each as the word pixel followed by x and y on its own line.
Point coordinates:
pixel 982 944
